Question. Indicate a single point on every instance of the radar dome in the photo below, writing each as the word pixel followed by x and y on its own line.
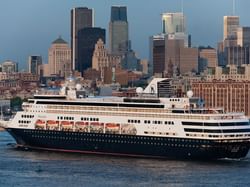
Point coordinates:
pixel 190 93
pixel 78 87
pixel 139 90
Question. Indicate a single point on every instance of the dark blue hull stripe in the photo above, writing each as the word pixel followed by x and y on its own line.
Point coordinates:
pixel 116 144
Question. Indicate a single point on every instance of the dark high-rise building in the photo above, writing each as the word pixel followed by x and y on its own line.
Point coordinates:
pixel 34 63
pixel 81 18
pixel 237 55
pixel 118 13
pixel 118 30
pixel 87 39
pixel 157 53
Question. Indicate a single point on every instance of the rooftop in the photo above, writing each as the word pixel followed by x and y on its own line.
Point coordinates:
pixel 59 40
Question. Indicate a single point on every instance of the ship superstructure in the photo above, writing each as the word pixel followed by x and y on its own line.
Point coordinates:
pixel 146 125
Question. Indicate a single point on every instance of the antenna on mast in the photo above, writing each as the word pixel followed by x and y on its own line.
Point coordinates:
pixel 182 6
pixel 233 7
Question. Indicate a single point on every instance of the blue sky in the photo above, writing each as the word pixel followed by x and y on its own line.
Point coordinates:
pixel 28 27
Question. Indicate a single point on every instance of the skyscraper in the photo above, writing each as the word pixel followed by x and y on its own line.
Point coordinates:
pixel 87 39
pixel 157 54
pixel 81 18
pixel 118 30
pixel 243 36
pixel 34 63
pixel 59 58
pixel 173 23
pixel 231 23
pixel 180 58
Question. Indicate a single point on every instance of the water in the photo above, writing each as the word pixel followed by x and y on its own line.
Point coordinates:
pixel 45 169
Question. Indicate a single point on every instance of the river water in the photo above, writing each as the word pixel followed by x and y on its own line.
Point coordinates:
pixel 45 169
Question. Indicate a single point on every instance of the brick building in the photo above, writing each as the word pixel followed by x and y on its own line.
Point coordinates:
pixel 233 96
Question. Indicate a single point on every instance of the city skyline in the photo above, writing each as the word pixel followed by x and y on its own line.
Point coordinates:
pixel 35 28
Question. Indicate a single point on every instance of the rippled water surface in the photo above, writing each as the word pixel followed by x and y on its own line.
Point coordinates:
pixel 36 168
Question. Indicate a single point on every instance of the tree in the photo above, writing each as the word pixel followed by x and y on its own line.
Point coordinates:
pixel 16 103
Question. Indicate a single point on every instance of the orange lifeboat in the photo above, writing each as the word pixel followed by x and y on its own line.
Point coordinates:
pixel 96 124
pixel 113 126
pixel 81 123
pixel 51 122
pixel 65 123
pixel 40 122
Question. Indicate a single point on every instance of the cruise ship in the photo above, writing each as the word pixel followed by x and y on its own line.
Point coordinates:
pixel 150 125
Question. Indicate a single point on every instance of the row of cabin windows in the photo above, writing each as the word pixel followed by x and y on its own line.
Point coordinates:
pixel 27 116
pixel 117 141
pixel 160 133
pixel 134 121
pixel 218 136
pixel 65 118
pixel 174 99
pixel 23 121
pixel 147 138
pixel 89 119
pixel 153 122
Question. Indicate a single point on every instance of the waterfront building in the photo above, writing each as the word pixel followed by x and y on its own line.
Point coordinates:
pixel 81 17
pixel 59 58
pixel 34 64
pixel 118 30
pixel 88 37
pixel 233 96
pixel 230 72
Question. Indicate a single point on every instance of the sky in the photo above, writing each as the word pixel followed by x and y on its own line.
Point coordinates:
pixel 27 27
